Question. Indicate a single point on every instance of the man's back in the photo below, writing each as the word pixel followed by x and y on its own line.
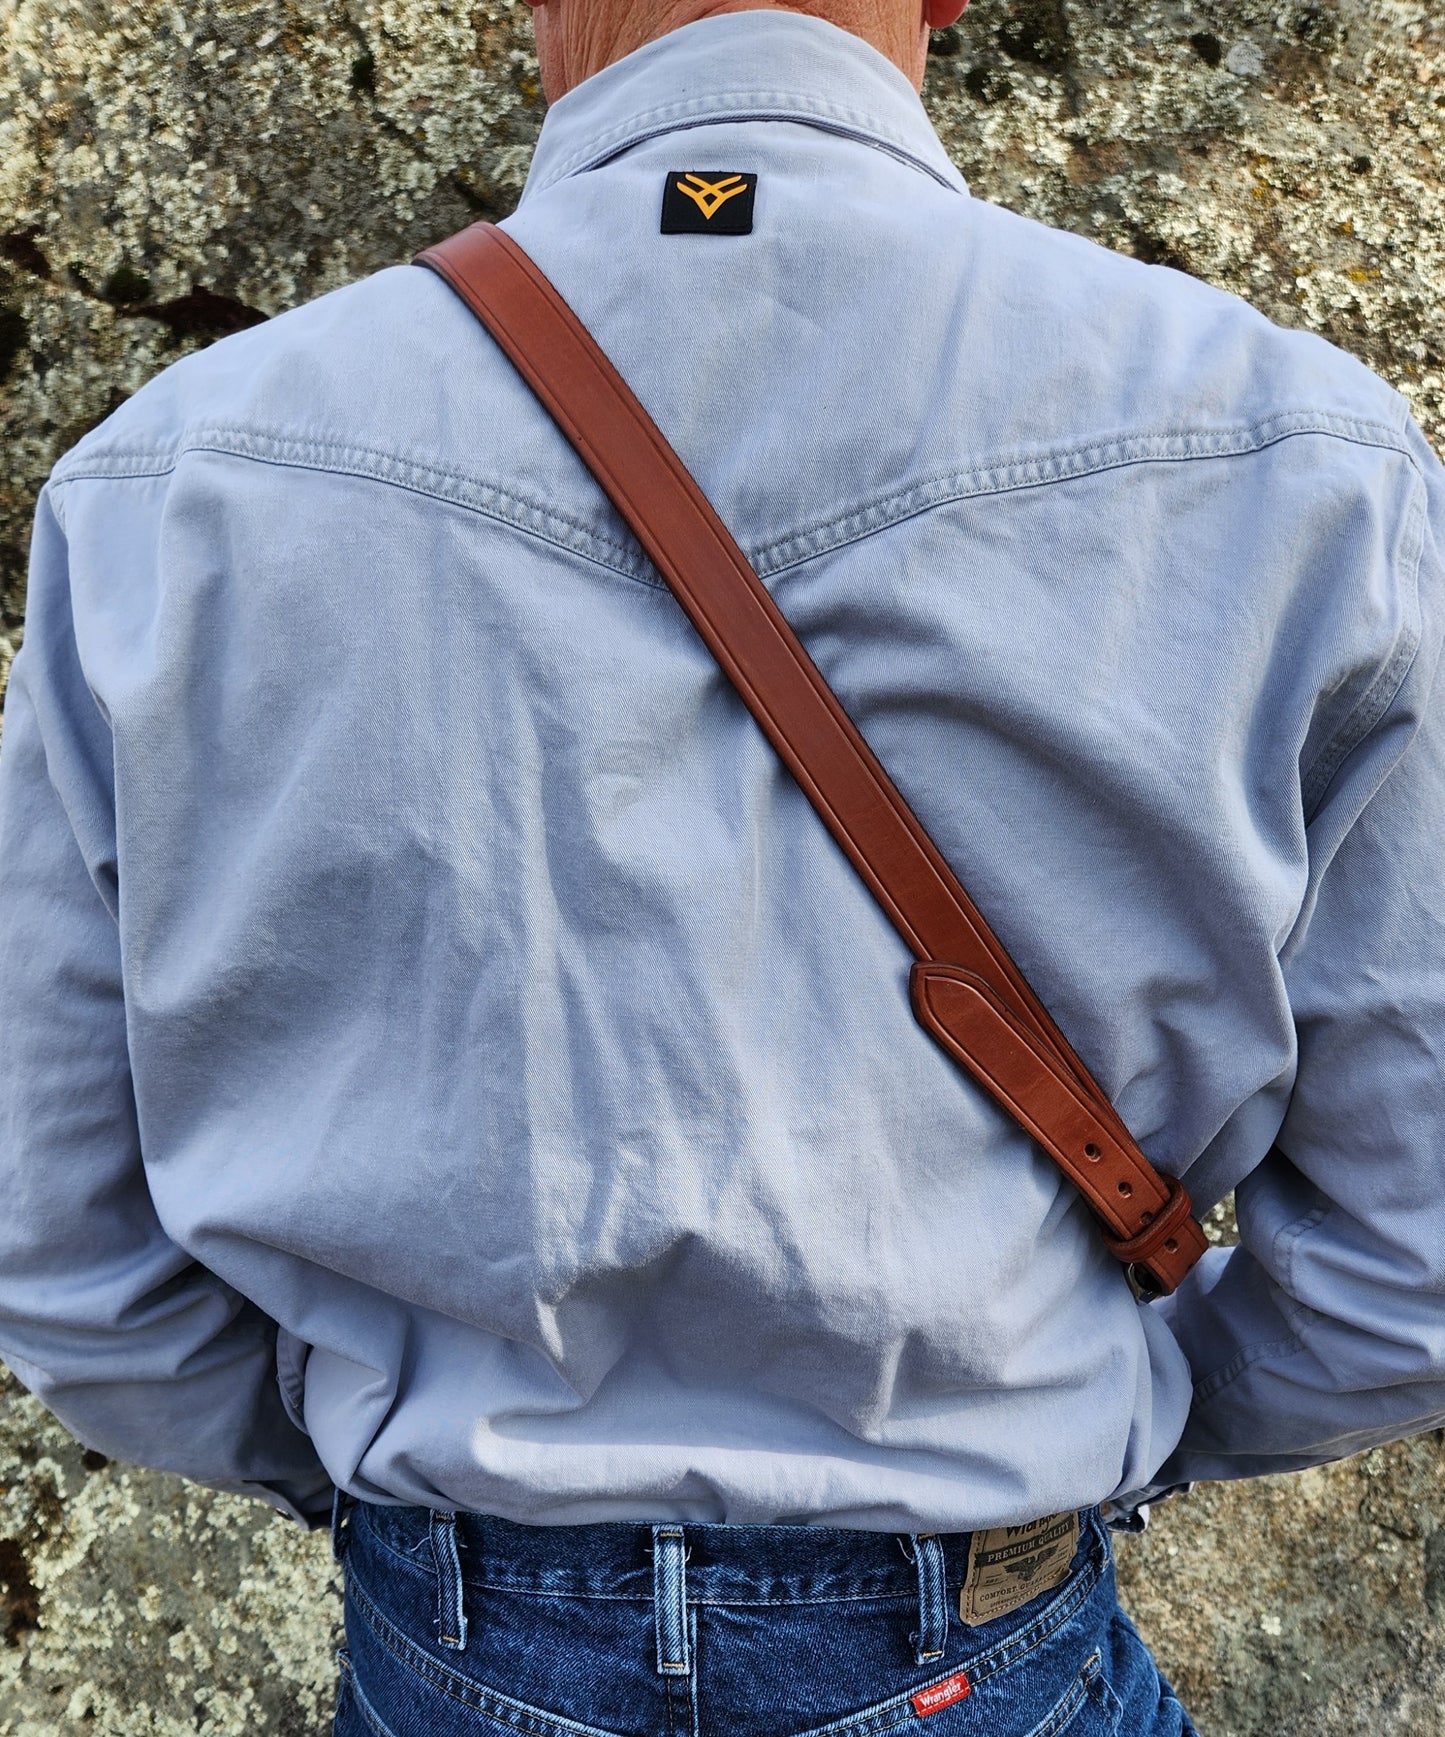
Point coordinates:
pixel 503 1022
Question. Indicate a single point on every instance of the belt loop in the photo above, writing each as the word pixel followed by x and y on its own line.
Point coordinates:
pixel 451 1618
pixel 340 1502
pixel 931 1641
pixel 669 1600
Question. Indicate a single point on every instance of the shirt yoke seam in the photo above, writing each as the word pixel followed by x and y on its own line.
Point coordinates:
pixel 1007 475
pixel 1004 475
pixel 369 464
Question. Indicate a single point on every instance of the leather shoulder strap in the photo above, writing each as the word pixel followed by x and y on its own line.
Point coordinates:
pixel 965 990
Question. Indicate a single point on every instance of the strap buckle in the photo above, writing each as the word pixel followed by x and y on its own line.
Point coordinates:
pixel 1142 1283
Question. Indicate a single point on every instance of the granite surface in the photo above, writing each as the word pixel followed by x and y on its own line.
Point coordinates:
pixel 169 174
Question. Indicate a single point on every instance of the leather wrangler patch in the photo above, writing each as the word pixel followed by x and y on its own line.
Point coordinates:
pixel 708 202
pixel 1009 1565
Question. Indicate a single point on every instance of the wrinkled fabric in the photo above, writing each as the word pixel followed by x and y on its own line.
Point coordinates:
pixel 443 1056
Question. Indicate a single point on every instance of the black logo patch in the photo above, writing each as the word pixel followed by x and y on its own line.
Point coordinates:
pixel 708 202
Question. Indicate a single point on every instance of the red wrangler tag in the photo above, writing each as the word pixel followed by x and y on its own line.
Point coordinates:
pixel 940 1695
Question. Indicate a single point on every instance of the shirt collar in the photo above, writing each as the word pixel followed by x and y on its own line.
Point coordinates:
pixel 734 66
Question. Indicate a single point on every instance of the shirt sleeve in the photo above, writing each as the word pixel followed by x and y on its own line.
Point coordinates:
pixel 1323 1333
pixel 135 1347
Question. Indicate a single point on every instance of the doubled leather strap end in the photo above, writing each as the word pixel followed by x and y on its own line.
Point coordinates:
pixel 1145 1216
pixel 1158 1258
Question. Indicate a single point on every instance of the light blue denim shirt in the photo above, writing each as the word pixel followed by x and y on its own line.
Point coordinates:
pixel 443 1055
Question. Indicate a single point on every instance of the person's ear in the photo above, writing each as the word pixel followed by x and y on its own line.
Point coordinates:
pixel 936 13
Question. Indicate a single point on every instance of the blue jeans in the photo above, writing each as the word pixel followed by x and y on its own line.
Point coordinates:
pixel 466 1624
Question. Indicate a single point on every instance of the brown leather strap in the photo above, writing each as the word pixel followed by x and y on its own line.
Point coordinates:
pixel 965 990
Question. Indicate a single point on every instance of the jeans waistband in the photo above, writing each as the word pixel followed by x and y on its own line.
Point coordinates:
pixel 724 1563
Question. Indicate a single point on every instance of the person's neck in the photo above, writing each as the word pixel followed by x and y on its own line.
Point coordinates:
pixel 594 35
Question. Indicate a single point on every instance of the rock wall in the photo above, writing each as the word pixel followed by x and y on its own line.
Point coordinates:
pixel 170 173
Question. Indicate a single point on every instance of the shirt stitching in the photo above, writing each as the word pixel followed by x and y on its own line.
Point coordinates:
pixel 1283 1244
pixel 1065 464
pixel 1380 695
pixel 908 158
pixel 744 105
pixel 1003 475
pixel 1221 1378
pixel 517 511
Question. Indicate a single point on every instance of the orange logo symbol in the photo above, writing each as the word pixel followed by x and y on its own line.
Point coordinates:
pixel 708 195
